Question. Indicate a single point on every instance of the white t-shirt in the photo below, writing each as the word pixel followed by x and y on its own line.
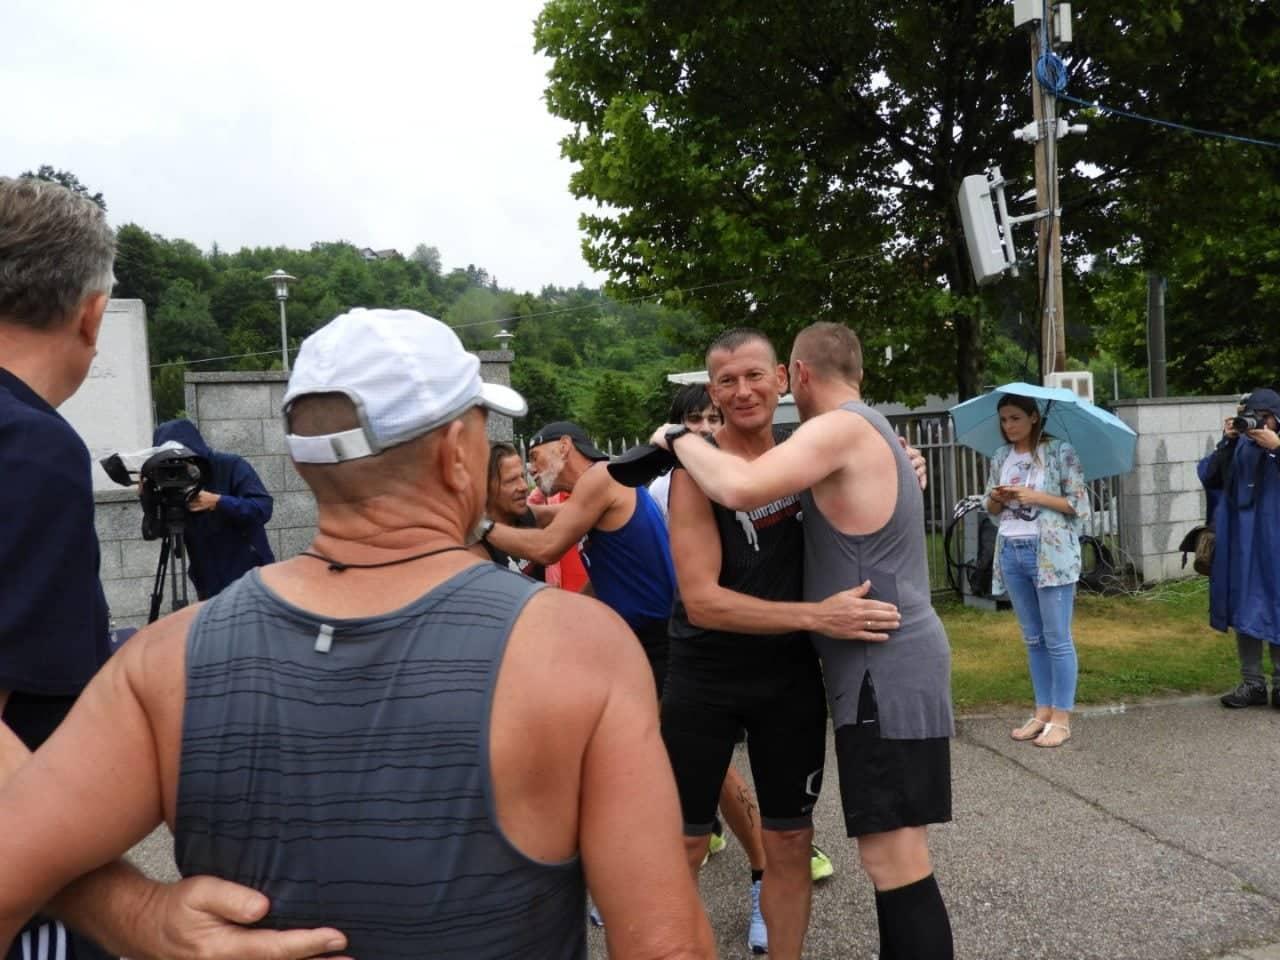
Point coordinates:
pixel 1017 520
pixel 660 490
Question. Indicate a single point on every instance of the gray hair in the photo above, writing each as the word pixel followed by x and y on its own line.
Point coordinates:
pixel 56 249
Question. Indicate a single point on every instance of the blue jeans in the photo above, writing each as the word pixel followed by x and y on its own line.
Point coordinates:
pixel 1044 614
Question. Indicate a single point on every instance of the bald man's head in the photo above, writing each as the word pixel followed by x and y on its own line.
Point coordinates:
pixel 831 350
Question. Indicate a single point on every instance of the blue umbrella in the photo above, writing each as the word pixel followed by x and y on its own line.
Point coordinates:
pixel 1103 441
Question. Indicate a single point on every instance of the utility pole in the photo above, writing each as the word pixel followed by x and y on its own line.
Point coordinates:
pixel 1157 385
pixel 1053 339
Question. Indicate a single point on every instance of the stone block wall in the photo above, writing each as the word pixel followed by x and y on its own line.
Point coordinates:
pixel 1161 499
pixel 237 412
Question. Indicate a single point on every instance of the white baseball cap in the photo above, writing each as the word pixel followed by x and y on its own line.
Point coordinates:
pixel 406 373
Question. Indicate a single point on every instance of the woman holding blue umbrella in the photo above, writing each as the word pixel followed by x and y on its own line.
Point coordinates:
pixel 1036 491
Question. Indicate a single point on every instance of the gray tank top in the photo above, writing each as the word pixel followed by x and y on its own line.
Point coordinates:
pixel 342 768
pixel 910 672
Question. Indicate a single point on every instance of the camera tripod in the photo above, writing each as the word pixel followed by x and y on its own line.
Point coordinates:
pixel 172 545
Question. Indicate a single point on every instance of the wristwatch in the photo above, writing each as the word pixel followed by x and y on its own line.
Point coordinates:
pixel 486 527
pixel 674 434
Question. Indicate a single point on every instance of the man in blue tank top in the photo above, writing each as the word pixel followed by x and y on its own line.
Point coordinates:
pixel 890 697
pixel 620 532
pixel 386 732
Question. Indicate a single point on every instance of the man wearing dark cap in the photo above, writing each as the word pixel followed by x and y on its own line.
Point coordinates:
pixel 619 530
pixel 1244 585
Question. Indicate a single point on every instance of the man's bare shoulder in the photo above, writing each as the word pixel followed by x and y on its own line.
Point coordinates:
pixel 563 622
pixel 156 655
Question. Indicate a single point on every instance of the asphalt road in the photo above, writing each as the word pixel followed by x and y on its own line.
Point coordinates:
pixel 1148 837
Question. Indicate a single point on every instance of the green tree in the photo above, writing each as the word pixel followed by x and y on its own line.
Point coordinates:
pixel 183 326
pixel 68 180
pixel 541 388
pixel 787 168
pixel 169 391
pixel 616 411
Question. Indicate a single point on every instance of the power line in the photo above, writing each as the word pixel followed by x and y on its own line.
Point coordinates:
pixel 1116 111
pixel 230 356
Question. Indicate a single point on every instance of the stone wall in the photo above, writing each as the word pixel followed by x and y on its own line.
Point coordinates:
pixel 237 412
pixel 1161 498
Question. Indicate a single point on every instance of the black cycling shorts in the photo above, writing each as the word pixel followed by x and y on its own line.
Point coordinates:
pixel 784 714
pixel 652 635
pixel 889 784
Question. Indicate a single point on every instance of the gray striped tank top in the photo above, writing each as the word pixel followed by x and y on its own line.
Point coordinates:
pixel 911 671
pixel 342 768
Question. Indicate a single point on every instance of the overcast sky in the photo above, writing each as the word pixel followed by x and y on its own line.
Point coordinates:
pixel 384 123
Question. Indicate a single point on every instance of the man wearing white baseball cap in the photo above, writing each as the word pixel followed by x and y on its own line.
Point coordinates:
pixel 385 732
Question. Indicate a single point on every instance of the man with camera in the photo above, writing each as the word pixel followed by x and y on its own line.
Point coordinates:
pixel 56 259
pixel 225 526
pixel 1244 585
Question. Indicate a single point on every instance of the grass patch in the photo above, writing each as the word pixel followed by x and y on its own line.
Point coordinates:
pixel 1131 647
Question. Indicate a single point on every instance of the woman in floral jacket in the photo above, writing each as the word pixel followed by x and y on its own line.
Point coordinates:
pixel 1037 494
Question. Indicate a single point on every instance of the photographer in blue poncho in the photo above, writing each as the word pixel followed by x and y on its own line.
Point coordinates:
pixel 225 533
pixel 1244 586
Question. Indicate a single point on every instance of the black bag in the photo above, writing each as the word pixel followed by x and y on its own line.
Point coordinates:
pixel 981 569
pixel 1200 542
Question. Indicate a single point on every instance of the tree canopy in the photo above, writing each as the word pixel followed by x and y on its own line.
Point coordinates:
pixel 782 165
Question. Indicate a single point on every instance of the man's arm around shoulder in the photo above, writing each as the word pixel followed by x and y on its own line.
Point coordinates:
pixel 817 449
pixel 592 497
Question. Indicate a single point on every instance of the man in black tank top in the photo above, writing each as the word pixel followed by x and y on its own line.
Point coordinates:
pixel 364 731
pixel 740 653
pixel 890 697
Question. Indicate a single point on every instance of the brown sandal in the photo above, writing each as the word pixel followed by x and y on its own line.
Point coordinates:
pixel 1029 730
pixel 1048 738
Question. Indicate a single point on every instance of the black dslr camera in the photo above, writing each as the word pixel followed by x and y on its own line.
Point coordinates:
pixel 170 480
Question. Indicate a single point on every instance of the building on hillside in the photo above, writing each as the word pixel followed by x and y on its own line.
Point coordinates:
pixel 368 253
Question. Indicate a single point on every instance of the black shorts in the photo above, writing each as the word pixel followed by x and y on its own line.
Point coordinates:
pixel 652 635
pixel 785 719
pixel 889 784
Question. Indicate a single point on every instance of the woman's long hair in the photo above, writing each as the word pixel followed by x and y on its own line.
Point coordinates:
pixel 1031 409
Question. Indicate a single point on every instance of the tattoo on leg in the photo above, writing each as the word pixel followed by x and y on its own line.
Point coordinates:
pixel 748 804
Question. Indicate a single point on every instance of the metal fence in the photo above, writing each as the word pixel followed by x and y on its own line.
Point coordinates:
pixel 956 472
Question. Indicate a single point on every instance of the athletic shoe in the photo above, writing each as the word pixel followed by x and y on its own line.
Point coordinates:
pixel 757 935
pixel 717 843
pixel 1245 695
pixel 596 919
pixel 820 865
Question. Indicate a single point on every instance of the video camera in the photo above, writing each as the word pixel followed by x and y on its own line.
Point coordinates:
pixel 1246 421
pixel 171 475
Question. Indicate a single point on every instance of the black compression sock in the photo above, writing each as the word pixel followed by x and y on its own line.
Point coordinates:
pixel 757 876
pixel 913 922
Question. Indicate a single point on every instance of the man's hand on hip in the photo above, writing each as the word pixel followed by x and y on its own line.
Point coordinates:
pixel 204 918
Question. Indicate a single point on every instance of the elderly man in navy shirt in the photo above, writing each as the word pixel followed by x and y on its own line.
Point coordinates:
pixel 56 258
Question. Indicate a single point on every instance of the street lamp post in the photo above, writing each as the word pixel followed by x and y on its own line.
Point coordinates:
pixel 281 280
